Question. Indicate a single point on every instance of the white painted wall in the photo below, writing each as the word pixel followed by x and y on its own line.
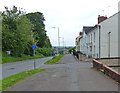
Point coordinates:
pixel 83 41
pixel 109 25
pixel 92 37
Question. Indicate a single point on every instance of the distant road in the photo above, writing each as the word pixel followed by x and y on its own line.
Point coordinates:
pixel 12 68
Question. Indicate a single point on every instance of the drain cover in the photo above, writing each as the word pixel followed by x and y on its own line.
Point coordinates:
pixel 12 68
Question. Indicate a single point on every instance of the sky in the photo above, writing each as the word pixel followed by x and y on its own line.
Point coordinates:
pixel 69 15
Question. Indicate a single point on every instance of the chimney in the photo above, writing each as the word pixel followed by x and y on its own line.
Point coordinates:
pixel 80 33
pixel 101 18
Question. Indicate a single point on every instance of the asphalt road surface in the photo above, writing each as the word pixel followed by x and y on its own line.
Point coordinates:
pixel 9 69
pixel 67 75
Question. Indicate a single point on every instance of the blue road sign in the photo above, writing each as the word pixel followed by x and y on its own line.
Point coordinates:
pixel 34 46
pixel 53 52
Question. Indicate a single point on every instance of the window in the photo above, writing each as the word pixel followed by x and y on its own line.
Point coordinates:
pixel 90 48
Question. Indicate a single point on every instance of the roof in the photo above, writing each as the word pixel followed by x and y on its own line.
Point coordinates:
pixel 87 28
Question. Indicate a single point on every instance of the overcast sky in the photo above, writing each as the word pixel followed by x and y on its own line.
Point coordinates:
pixel 69 15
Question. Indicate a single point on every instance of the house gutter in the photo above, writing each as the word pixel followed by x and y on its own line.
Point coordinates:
pixel 99 27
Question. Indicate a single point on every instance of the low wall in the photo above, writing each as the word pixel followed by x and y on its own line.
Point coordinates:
pixel 107 70
pixel 98 65
pixel 112 73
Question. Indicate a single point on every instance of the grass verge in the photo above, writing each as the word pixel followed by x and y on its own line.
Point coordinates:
pixel 54 59
pixel 7 59
pixel 11 80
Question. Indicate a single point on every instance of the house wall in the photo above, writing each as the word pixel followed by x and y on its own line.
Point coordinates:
pixel 89 44
pixel 83 47
pixel 77 43
pixel 81 44
pixel 92 43
pixel 109 25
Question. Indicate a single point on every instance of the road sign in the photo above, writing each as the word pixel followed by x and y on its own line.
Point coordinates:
pixel 53 52
pixel 34 46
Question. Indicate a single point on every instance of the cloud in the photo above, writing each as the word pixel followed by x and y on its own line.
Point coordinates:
pixel 69 15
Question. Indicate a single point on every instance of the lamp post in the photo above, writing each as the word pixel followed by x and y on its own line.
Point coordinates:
pixel 63 43
pixel 63 46
pixel 58 38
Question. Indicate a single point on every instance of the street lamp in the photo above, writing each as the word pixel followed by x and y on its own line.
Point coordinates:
pixel 63 45
pixel 58 37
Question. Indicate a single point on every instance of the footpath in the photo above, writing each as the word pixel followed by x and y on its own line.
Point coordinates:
pixel 67 75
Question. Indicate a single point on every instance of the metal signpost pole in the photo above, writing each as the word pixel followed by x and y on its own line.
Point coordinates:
pixel 34 58
pixel 34 47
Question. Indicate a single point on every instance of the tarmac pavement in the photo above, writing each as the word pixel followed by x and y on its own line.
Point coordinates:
pixel 67 75
pixel 12 68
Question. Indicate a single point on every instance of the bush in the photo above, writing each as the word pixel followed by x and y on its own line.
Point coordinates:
pixel 71 49
pixel 44 51
pixel 61 51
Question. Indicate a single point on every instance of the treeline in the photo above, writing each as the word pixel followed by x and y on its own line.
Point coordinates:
pixel 20 31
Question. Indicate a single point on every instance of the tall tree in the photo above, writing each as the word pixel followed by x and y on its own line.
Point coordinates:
pixel 17 31
pixel 37 19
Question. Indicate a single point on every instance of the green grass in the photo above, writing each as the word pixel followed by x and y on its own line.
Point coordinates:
pixel 11 80
pixel 54 59
pixel 8 58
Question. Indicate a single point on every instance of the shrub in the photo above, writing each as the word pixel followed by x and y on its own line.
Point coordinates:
pixel 44 51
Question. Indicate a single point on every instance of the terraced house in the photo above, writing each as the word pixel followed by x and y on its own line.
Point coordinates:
pixel 101 40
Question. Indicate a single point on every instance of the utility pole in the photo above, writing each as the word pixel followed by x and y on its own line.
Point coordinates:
pixel 103 12
pixel 108 10
pixel 63 45
pixel 58 38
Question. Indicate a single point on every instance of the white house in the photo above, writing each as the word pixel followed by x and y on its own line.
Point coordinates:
pixel 83 40
pixel 92 42
pixel 77 42
pixel 101 41
pixel 109 37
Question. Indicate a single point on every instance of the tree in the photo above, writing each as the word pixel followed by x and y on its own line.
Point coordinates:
pixel 37 19
pixel 20 31
pixel 17 31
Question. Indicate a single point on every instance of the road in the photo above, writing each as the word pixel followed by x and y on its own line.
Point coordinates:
pixel 9 69
pixel 67 75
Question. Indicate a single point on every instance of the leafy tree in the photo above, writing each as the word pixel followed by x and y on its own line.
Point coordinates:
pixel 20 31
pixel 17 31
pixel 37 19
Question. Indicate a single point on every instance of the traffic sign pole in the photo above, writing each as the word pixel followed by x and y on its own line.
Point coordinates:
pixel 34 47
pixel 34 59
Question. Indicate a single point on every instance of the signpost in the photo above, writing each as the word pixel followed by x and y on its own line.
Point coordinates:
pixel 53 52
pixel 34 47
